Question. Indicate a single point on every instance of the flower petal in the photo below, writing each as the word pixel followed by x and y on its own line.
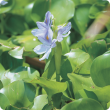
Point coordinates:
pixel 50 35
pixel 66 34
pixel 48 15
pixel 65 29
pixel 38 32
pixel 46 55
pixel 62 32
pixel 40 49
pixel 41 25
pixel 59 38
pixel 47 38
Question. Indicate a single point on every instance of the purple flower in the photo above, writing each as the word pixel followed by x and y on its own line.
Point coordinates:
pixel 63 31
pixel 2 2
pixel 40 49
pixel 45 35
pixel 44 32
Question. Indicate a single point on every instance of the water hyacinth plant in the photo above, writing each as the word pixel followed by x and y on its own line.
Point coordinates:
pixel 45 34
pixel 62 63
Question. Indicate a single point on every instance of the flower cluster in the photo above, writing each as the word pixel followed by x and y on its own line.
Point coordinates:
pixel 45 34
pixel 2 2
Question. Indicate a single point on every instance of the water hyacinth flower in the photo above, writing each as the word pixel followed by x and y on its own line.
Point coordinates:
pixel 45 35
pixel 40 49
pixel 2 2
pixel 44 32
pixel 63 31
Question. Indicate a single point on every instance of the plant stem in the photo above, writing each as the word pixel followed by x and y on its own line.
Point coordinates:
pixel 104 104
pixel 2 22
pixel 58 52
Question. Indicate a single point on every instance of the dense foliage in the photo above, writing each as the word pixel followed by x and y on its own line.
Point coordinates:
pixel 84 79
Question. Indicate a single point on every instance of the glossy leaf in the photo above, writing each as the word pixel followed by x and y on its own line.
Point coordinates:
pixel 51 87
pixel 100 70
pixel 37 15
pixel 84 43
pixel 86 94
pixel 59 11
pixel 9 62
pixel 4 102
pixel 97 8
pixel 27 15
pixel 57 8
pixel 29 42
pixel 16 94
pixel 77 57
pixel 103 94
pixel 49 69
pixel 80 82
pixel 97 48
pixel 81 18
pixel 17 74
pixel 17 52
pixel 15 24
pixel 30 89
pixel 39 102
pixel 2 70
pixel 83 104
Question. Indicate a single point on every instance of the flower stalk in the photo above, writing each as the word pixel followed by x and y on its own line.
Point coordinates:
pixel 58 53
pixel 2 24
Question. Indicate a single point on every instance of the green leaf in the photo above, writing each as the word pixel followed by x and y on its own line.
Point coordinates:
pixel 9 62
pixel 98 47
pixel 39 102
pixel 2 70
pixel 68 95
pixel 77 57
pixel 72 62
pixel 49 68
pixel 4 102
pixel 83 104
pixel 57 100
pixel 18 73
pixel 57 8
pixel 66 67
pixel 85 68
pixel 99 70
pixel 16 94
pixel 30 89
pixel 5 45
pixel 51 87
pixel 83 93
pixel 17 52
pixel 60 8
pixel 27 15
pixel 80 82
pixel 97 8
pixel 81 18
pixel 37 15
pixel 103 94
pixel 29 42
pixel 7 7
pixel 79 2
pixel 15 24
pixel 87 42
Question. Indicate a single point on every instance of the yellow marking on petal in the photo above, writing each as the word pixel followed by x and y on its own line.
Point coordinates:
pixel 46 20
pixel 47 38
